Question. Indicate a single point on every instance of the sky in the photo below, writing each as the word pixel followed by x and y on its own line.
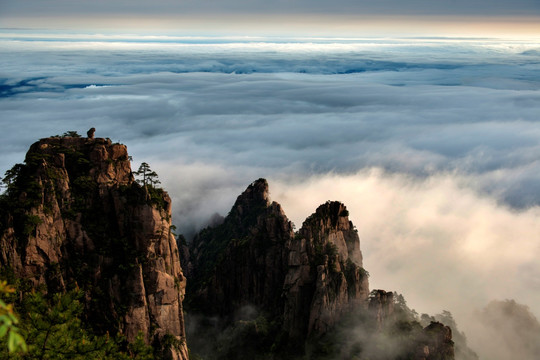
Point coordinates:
pixel 279 17
pixel 420 116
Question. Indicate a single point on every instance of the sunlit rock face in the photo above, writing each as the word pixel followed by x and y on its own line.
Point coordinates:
pixel 80 219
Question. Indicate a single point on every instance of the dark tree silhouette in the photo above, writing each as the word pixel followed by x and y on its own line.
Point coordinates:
pixel 149 177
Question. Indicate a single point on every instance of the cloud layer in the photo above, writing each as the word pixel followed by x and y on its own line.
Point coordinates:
pixel 435 240
pixel 432 144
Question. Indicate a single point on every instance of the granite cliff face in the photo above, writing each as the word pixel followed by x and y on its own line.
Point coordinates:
pixel 244 260
pixel 325 278
pixel 305 292
pixel 381 307
pixel 75 216
pixel 306 280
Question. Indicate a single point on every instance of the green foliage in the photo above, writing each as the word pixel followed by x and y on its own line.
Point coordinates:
pixel 247 340
pixel 194 356
pixel 11 175
pixel 30 224
pixel 84 184
pixel 148 179
pixel 22 192
pixel 9 321
pixel 363 273
pixel 318 253
pixel 323 251
pixel 331 250
pixel 35 158
pixel 351 270
pixel 71 133
pixel 156 196
pixel 17 181
pixel 53 328
pixel 402 311
pixel 358 336
pixel 170 341
pixel 139 350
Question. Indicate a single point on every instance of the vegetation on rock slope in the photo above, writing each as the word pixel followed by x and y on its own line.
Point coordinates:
pixel 72 228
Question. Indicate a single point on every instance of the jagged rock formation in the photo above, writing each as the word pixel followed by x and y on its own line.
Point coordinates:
pixel 390 315
pixel 243 261
pixel 381 307
pixel 438 342
pixel 306 280
pixel 306 292
pixel 325 277
pixel 73 215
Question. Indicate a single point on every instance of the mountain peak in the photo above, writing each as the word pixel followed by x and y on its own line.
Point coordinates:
pixel 253 199
pixel 335 212
pixel 105 162
pixel 85 222
pixel 256 191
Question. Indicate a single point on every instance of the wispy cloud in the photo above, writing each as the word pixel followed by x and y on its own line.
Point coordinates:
pixel 435 240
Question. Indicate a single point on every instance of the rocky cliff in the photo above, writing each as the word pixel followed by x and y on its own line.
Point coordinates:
pixel 389 314
pixel 306 281
pixel 243 261
pixel 74 216
pixel 325 278
pixel 267 292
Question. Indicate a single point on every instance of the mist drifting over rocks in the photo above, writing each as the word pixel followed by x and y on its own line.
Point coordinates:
pixel 506 329
pixel 432 144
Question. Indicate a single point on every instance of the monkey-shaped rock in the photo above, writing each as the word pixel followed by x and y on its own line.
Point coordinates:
pixel 90 133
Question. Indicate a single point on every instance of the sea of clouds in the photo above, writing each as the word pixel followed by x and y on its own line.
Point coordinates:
pixel 433 144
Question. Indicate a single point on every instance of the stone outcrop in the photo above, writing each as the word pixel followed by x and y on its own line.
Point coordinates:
pixel 429 343
pixel 438 343
pixel 310 288
pixel 77 217
pixel 307 280
pixel 73 215
pixel 243 261
pixel 381 307
pixel 325 278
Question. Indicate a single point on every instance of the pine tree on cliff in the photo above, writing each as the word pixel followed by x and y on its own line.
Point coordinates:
pixel 149 177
